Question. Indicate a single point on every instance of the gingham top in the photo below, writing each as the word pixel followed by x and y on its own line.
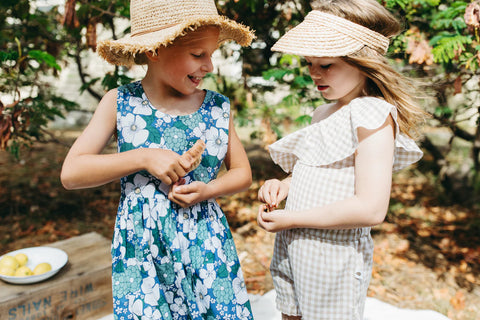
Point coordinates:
pixel 322 155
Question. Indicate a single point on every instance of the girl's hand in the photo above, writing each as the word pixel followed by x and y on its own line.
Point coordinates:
pixel 169 166
pixel 166 165
pixel 273 192
pixel 274 221
pixel 187 195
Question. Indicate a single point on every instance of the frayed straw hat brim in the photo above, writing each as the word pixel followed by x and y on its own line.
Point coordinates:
pixel 124 51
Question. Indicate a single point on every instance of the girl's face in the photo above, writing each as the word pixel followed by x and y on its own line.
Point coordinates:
pixel 181 66
pixel 336 79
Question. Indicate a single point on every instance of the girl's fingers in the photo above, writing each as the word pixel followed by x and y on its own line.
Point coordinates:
pixel 170 178
pixel 264 193
pixel 179 172
pixel 180 182
pixel 172 196
pixel 264 212
pixel 166 179
pixel 259 216
pixel 261 196
pixel 183 189
pixel 268 197
pixel 272 197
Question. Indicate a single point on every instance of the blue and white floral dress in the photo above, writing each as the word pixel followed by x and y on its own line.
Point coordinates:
pixel 171 262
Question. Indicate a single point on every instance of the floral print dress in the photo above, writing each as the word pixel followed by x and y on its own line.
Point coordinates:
pixel 171 262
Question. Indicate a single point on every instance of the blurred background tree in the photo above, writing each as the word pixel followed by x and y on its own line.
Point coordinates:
pixel 440 46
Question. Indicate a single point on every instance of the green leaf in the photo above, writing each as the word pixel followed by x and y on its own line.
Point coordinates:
pixel 5 56
pixel 289 59
pixel 303 120
pixel 276 74
pixel 44 57
pixel 443 111
pixel 88 84
pixel 446 46
pixel 454 10
pixel 303 81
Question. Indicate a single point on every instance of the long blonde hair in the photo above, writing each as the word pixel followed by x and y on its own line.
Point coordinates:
pixel 383 80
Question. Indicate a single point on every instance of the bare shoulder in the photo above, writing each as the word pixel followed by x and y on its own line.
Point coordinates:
pixel 110 96
pixel 108 103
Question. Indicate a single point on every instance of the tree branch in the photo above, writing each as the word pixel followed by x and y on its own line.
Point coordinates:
pixel 78 60
pixel 434 151
pixel 457 131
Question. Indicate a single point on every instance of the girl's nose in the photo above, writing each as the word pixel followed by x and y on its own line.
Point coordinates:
pixel 315 75
pixel 314 72
pixel 207 65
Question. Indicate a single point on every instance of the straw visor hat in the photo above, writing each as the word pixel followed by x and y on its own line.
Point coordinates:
pixel 156 23
pixel 326 35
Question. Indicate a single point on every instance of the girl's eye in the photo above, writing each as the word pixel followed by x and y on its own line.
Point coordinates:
pixel 197 55
pixel 325 66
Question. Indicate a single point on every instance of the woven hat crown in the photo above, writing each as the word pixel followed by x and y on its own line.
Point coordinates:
pixel 156 23
pixel 153 15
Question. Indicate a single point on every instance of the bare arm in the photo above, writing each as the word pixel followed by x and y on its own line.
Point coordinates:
pixel 85 166
pixel 239 174
pixel 368 207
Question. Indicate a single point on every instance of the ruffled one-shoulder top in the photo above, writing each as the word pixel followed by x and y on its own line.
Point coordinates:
pixel 321 156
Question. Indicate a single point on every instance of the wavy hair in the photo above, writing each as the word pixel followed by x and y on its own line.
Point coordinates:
pixel 383 80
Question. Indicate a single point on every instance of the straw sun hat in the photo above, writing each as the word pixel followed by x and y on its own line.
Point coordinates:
pixel 326 35
pixel 156 23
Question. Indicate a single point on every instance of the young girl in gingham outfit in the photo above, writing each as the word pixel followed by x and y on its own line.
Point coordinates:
pixel 341 165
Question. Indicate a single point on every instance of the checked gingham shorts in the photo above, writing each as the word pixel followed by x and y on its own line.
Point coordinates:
pixel 320 276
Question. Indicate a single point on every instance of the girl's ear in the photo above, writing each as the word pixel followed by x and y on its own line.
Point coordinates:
pixel 153 56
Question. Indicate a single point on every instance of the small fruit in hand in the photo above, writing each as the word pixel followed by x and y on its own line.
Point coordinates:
pixel 21 259
pixel 42 268
pixel 9 261
pixel 23 272
pixel 194 154
pixel 7 271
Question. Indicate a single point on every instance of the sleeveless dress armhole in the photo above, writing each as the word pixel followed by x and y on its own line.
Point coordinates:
pixel 335 138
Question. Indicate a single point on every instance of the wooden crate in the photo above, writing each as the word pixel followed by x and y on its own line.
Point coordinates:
pixel 82 290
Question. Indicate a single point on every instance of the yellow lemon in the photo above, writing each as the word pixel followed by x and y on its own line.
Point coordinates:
pixel 21 259
pixel 9 261
pixel 42 268
pixel 6 271
pixel 23 272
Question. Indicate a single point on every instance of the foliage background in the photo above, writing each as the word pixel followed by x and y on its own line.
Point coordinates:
pixel 433 226
pixel 440 46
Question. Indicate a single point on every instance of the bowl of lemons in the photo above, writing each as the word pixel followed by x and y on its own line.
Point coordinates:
pixel 31 265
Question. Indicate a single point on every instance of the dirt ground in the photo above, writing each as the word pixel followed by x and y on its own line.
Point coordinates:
pixel 427 255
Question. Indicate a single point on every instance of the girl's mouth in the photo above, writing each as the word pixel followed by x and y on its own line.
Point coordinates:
pixel 322 88
pixel 195 80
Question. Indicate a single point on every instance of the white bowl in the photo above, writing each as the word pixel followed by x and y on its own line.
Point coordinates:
pixel 56 257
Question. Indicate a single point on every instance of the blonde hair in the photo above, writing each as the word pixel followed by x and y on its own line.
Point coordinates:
pixel 383 80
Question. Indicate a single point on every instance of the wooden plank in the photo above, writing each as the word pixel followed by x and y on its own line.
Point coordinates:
pixel 80 291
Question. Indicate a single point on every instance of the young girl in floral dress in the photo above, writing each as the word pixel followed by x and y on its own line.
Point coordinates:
pixel 172 250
